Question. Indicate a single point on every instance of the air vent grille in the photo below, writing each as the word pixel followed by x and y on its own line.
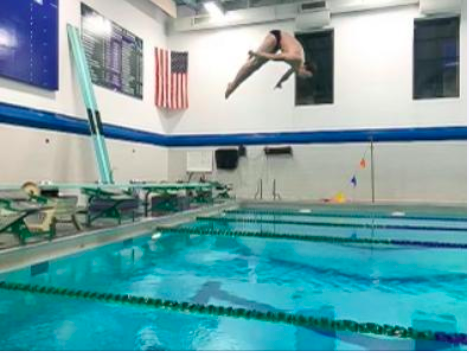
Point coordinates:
pixel 313 6
pixel 197 20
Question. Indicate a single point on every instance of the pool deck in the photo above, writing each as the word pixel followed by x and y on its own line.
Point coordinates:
pixel 455 210
pixel 65 244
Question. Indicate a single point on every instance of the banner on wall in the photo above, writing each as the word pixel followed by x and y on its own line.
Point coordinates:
pixel 171 79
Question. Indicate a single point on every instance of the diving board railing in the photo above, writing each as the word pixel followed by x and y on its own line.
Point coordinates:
pixel 89 98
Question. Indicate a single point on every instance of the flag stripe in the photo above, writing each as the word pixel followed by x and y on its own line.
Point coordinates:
pixel 160 59
pixel 158 69
pixel 160 81
pixel 156 76
pixel 162 77
pixel 174 93
pixel 166 82
pixel 178 93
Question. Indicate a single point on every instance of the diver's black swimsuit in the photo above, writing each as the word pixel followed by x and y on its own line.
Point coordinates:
pixel 278 37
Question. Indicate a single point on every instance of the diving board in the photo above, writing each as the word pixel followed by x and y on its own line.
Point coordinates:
pixel 89 98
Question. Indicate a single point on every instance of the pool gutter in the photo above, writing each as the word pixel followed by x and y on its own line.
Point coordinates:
pixel 452 209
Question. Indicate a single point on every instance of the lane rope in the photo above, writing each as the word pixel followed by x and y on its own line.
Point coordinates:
pixel 298 213
pixel 313 238
pixel 273 317
pixel 328 224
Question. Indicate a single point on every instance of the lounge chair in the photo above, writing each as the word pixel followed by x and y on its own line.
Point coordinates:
pixel 113 204
pixel 26 217
pixel 168 201
pixel 66 211
pixel 66 206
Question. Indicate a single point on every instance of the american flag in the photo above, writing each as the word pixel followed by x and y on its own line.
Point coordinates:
pixel 171 79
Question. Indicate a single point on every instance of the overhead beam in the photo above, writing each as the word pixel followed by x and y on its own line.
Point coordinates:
pixel 168 6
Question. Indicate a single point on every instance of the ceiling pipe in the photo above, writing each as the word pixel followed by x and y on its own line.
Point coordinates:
pixel 279 13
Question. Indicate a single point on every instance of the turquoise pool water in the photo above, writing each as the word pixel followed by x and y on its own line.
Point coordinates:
pixel 424 288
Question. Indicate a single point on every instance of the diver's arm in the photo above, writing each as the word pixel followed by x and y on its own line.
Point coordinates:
pixel 284 78
pixel 268 56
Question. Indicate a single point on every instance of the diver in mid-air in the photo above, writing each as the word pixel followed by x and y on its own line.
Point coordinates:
pixel 277 46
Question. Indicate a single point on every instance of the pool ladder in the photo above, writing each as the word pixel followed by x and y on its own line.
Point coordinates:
pixel 275 194
pixel 260 191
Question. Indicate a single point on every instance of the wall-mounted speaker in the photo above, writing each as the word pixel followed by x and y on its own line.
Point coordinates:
pixel 227 159
pixel 278 151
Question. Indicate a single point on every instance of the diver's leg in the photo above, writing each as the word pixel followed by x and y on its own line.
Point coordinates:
pixel 252 65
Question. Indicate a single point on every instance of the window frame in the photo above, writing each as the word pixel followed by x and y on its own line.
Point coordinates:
pixel 415 95
pixel 332 33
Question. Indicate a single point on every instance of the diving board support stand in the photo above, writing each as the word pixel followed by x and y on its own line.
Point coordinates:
pixel 89 98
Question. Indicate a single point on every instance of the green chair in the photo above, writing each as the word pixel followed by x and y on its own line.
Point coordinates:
pixel 26 217
pixel 111 204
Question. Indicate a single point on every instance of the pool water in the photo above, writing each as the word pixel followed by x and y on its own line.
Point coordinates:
pixel 424 288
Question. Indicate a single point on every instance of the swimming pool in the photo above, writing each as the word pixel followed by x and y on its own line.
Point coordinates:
pixel 412 285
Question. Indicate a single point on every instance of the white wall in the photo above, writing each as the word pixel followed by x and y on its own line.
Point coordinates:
pixel 373 80
pixel 25 155
pixel 428 172
pixel 146 22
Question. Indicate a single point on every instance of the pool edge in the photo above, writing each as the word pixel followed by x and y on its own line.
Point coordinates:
pixel 18 257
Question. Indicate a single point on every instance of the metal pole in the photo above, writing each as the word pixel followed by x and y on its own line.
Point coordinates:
pixel 261 189
pixel 372 173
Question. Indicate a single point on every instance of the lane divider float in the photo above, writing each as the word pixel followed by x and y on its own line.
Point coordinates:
pixel 311 213
pixel 328 224
pixel 394 331
pixel 314 238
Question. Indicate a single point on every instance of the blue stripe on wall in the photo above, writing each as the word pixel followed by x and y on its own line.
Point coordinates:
pixel 325 137
pixel 27 117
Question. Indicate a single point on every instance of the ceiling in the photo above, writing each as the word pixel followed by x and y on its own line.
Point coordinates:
pixel 230 5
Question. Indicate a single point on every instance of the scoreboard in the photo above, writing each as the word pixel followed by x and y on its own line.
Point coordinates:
pixel 114 54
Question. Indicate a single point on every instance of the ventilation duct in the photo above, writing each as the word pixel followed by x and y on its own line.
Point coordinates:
pixel 313 6
pixel 313 20
pixel 202 19
pixel 312 15
pixel 440 7
pixel 309 15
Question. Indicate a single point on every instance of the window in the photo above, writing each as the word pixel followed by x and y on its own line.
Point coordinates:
pixel 436 58
pixel 319 49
